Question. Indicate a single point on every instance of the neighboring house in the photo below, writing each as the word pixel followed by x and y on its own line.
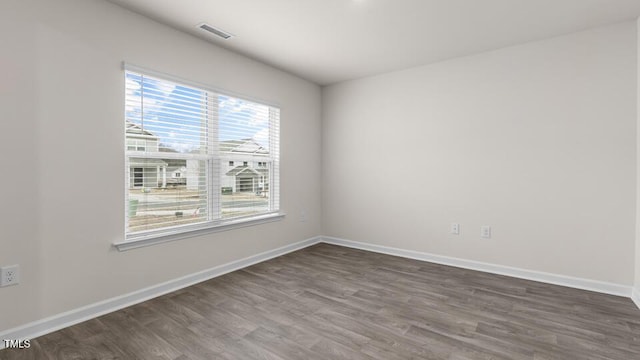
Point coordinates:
pixel 244 162
pixel 139 139
pixel 144 173
pixel 184 172
pixel 177 175
pixel 247 179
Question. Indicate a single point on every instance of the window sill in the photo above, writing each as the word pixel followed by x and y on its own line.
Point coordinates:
pixel 159 238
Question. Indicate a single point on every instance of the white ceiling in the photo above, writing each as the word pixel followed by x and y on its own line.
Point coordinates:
pixel 328 41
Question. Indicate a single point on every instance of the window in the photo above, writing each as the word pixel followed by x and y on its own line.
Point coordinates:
pixel 136 145
pixel 137 177
pixel 177 137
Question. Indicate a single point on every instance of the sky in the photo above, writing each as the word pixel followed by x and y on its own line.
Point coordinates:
pixel 174 113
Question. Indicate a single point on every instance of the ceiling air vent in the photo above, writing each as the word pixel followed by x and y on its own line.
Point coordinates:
pixel 223 34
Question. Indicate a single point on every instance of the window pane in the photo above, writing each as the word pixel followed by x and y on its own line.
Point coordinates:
pixel 162 116
pixel 244 136
pixel 245 189
pixel 166 193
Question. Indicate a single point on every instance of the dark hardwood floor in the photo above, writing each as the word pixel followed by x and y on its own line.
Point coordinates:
pixel 330 302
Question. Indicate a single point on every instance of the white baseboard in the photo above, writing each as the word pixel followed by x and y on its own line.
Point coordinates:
pixel 60 321
pixel 578 283
pixel 635 296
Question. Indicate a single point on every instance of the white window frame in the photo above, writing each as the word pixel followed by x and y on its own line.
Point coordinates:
pixel 214 222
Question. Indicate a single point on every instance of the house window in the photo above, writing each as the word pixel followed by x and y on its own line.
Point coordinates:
pixel 138 176
pixel 136 145
pixel 171 125
pixel 245 163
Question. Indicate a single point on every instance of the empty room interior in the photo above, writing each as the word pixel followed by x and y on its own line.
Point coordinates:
pixel 320 179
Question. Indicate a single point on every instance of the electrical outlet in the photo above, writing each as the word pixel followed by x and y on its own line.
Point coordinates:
pixel 303 216
pixel 9 275
pixel 485 232
pixel 455 228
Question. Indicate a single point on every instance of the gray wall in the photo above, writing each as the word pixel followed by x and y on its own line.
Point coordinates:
pixel 61 103
pixel 536 140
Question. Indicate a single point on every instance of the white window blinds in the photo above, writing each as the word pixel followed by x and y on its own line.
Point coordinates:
pixel 196 158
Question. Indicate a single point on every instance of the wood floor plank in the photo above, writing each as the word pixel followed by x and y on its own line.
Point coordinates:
pixel 331 302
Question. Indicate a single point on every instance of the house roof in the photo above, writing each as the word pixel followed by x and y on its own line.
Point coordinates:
pixel 243 146
pixel 135 129
pixel 176 168
pixel 246 170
